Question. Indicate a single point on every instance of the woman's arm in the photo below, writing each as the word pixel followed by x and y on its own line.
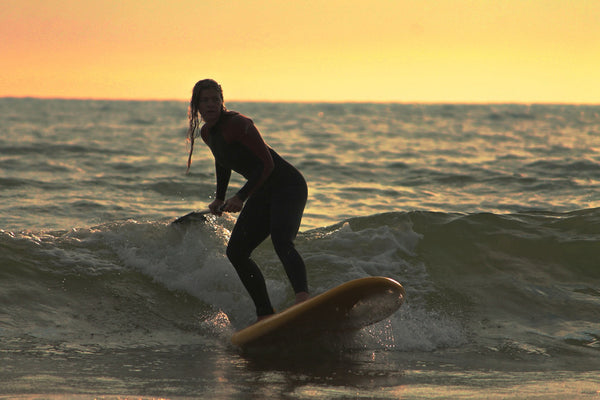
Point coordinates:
pixel 223 176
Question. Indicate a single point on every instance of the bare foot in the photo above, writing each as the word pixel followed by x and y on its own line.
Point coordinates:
pixel 301 296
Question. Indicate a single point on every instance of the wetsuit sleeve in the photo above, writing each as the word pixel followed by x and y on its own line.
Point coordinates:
pixel 251 139
pixel 223 176
pixel 223 173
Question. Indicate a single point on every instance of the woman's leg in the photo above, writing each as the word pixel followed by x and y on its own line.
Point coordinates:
pixel 251 229
pixel 286 215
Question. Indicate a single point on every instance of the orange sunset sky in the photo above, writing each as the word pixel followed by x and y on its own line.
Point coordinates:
pixel 328 50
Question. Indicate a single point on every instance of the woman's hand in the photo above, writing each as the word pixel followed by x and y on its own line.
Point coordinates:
pixel 216 207
pixel 233 204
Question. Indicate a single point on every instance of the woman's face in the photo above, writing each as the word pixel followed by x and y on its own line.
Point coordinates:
pixel 210 105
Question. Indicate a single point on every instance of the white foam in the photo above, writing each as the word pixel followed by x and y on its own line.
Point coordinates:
pixel 193 260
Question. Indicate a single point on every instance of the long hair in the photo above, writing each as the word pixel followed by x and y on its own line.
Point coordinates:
pixel 194 116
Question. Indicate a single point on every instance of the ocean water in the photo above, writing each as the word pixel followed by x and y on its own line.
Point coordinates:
pixel 489 215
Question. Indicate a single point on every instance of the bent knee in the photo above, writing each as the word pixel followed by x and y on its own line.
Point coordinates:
pixel 236 255
pixel 283 247
pixel 233 255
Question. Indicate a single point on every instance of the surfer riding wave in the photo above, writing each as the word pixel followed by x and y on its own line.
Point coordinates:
pixel 271 201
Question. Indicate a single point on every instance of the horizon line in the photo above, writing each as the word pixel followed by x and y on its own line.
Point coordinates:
pixel 427 102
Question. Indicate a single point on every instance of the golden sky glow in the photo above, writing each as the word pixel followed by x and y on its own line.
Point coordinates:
pixel 304 50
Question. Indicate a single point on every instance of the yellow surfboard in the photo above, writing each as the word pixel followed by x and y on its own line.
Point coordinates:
pixel 348 307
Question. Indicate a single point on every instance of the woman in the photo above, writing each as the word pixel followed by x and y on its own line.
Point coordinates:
pixel 271 201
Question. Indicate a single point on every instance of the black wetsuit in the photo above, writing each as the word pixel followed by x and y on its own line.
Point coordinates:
pixel 275 195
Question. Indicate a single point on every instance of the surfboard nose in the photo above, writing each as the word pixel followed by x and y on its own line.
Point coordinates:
pixel 376 307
